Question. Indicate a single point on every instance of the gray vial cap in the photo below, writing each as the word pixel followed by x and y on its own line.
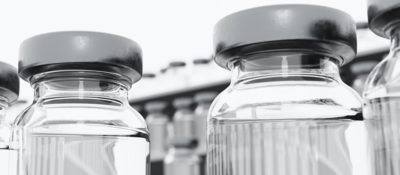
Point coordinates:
pixel 79 50
pixel 9 82
pixel 163 70
pixel 383 16
pixel 177 64
pixel 149 75
pixel 201 61
pixel 285 28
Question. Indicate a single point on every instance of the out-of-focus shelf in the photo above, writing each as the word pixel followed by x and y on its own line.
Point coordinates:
pixel 176 92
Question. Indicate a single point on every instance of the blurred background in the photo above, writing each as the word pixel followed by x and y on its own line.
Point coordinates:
pixel 176 38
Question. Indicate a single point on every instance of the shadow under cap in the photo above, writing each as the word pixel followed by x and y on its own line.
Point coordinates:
pixel 9 82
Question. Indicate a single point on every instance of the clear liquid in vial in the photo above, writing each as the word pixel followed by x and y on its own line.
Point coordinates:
pixel 383 126
pixel 8 161
pixel 285 147
pixel 8 157
pixel 86 155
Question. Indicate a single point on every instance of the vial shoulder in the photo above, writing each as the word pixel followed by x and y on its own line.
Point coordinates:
pixel 38 115
pixel 384 79
pixel 287 100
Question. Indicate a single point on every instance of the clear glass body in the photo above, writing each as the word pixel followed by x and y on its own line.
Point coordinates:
pixel 201 126
pixel 7 156
pixel 381 110
pixel 182 161
pixel 157 123
pixel 81 123
pixel 5 127
pixel 285 113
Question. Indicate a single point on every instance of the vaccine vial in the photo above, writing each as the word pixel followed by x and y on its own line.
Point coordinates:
pixel 80 121
pixel 183 121
pixel 286 110
pixel 382 92
pixel 182 158
pixel 203 100
pixel 9 91
pixel 157 122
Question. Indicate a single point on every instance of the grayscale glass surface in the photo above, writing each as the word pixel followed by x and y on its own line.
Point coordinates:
pixel 286 113
pixel 80 123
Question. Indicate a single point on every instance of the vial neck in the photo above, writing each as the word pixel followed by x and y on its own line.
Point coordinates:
pixel 282 66
pixel 3 107
pixel 395 42
pixel 80 85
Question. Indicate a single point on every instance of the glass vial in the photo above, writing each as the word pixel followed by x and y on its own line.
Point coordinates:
pixel 9 91
pixel 286 110
pixel 382 92
pixel 80 121
pixel 182 158
pixel 157 122
pixel 183 121
pixel 203 100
